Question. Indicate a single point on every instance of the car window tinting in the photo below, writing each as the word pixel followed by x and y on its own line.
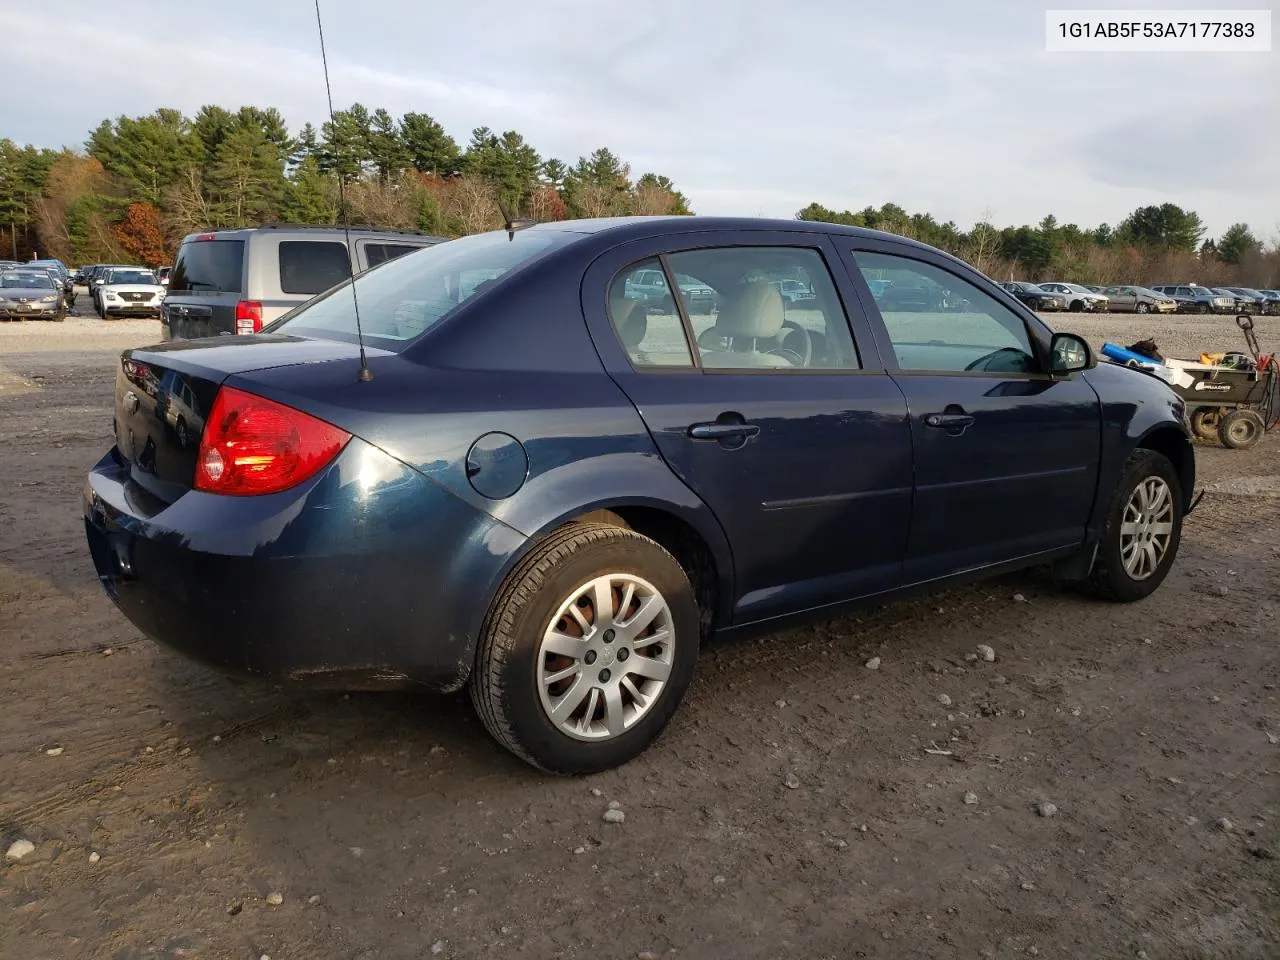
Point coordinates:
pixel 938 322
pixel 407 296
pixel 378 253
pixel 762 308
pixel 644 316
pixel 312 266
pixel 208 266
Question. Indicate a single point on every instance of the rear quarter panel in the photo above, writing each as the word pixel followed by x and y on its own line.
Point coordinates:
pixel 518 361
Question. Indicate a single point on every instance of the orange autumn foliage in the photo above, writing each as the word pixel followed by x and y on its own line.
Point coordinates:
pixel 140 234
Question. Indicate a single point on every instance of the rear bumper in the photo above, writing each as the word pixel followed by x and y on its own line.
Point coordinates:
pixel 368 576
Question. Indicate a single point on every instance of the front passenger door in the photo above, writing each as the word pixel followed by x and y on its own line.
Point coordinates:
pixel 1006 455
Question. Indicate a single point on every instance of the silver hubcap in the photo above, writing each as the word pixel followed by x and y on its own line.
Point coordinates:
pixel 1146 528
pixel 606 656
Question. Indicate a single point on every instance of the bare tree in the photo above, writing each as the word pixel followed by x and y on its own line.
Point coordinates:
pixel 651 199
pixel 188 204
pixel 983 243
pixel 472 202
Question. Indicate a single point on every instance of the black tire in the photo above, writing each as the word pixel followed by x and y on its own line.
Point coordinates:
pixel 504 682
pixel 1144 308
pixel 1241 429
pixel 1205 308
pixel 1077 306
pixel 1109 579
pixel 184 436
pixel 1204 423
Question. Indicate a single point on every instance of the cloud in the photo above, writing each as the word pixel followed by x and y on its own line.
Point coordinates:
pixel 751 107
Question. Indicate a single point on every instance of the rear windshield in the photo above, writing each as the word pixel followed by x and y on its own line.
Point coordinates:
pixel 407 296
pixel 208 266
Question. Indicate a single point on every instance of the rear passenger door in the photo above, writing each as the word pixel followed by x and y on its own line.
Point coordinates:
pixel 781 420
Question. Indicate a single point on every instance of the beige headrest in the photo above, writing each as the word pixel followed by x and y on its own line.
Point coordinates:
pixel 752 310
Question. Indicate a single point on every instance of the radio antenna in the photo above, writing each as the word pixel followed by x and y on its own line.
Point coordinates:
pixel 365 373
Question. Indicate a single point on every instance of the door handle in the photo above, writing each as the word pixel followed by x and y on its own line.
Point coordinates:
pixel 949 421
pixel 723 431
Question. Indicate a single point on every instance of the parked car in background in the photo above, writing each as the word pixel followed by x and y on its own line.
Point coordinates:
pixel 99 278
pixel 129 292
pixel 1140 300
pixel 468 514
pixel 236 281
pixel 1244 302
pixel 1272 301
pixel 650 287
pixel 1079 298
pixel 1034 296
pixel 162 274
pixel 1096 287
pixel 1259 301
pixel 1192 298
pixel 31 295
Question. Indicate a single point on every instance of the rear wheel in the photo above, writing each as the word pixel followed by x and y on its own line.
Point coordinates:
pixel 587 650
pixel 1144 527
pixel 1241 429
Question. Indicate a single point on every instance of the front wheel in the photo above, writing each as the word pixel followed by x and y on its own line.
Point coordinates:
pixel 1143 530
pixel 1144 308
pixel 587 650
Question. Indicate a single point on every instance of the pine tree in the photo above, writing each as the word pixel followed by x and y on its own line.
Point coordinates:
pixel 311 196
pixel 429 148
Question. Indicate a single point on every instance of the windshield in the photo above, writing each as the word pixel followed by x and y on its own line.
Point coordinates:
pixel 1076 288
pixel 131 276
pixel 405 297
pixel 30 281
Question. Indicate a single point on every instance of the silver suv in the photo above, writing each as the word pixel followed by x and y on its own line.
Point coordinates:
pixel 230 282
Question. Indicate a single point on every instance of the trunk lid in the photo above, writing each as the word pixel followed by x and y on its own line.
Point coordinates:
pixel 164 392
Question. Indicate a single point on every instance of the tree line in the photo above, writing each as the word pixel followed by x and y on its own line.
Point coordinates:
pixel 1154 244
pixel 141 183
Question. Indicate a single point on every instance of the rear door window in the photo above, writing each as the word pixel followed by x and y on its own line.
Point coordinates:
pixel 208 266
pixel 312 266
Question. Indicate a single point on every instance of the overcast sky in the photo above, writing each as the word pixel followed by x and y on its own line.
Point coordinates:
pixel 751 107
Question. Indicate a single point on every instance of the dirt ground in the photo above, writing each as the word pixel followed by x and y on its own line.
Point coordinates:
pixel 177 813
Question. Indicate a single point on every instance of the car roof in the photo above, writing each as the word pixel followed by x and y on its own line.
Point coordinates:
pixel 635 228
pixel 364 230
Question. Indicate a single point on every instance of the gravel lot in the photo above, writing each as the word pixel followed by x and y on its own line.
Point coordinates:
pixel 793 809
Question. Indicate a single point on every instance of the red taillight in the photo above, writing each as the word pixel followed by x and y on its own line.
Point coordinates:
pixel 252 445
pixel 248 316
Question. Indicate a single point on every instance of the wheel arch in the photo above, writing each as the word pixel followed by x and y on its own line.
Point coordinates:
pixel 1174 444
pixel 697 542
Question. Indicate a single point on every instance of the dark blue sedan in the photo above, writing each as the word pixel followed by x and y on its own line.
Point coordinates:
pixel 533 481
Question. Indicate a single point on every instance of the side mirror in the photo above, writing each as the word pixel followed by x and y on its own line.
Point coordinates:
pixel 1069 353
